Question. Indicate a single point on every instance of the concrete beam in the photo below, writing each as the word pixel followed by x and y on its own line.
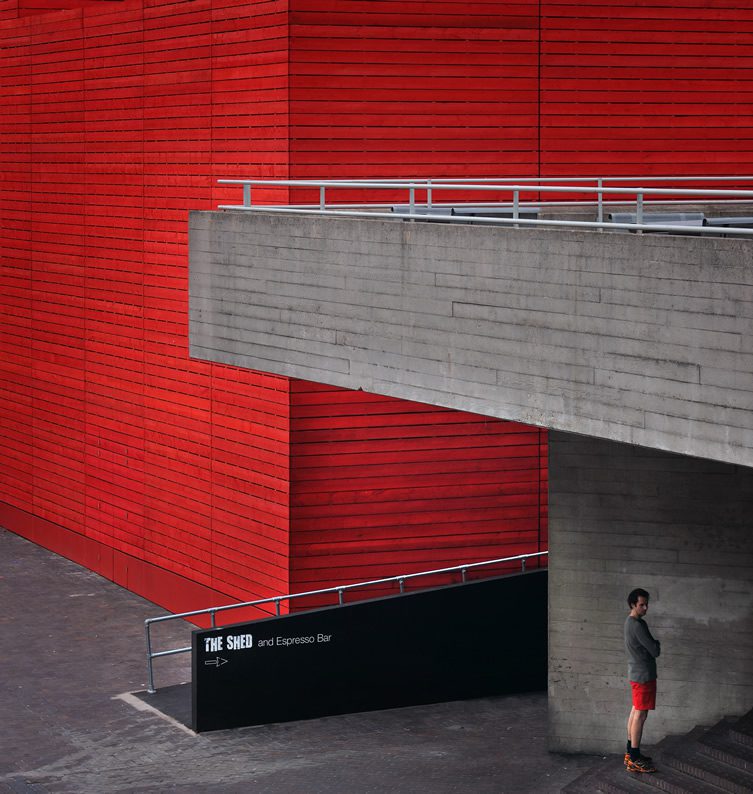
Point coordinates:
pixel 645 339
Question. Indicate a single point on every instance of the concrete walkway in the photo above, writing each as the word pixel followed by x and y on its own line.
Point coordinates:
pixel 72 651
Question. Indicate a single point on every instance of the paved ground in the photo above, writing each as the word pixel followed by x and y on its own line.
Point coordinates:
pixel 71 643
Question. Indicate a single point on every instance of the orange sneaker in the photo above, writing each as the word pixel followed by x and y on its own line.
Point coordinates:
pixel 641 764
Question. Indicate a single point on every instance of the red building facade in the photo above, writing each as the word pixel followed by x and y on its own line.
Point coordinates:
pixel 193 483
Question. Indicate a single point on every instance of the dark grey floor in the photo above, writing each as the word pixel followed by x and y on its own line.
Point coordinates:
pixel 72 651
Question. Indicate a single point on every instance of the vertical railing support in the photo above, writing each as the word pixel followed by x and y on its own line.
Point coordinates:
pixel 516 206
pixel 213 618
pixel 322 198
pixel 462 575
pixel 401 582
pixel 428 192
pixel 639 210
pixel 247 195
pixel 411 200
pixel 340 599
pixel 277 607
pixel 149 666
pixel 600 203
pixel 523 565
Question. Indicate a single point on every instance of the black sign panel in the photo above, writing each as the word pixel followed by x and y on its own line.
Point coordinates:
pixel 451 643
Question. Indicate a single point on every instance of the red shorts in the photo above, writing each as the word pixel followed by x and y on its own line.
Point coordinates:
pixel 644 695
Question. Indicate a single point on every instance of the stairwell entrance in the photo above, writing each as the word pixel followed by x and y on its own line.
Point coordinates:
pixel 460 641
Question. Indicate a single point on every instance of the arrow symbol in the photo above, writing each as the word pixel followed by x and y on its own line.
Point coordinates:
pixel 218 662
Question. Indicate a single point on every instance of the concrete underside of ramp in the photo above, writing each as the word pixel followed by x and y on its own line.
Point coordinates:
pixel 636 351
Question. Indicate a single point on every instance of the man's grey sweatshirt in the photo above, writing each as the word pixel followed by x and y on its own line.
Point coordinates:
pixel 642 650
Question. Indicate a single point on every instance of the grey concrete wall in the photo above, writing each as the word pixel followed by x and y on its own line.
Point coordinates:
pixel 624 517
pixel 646 339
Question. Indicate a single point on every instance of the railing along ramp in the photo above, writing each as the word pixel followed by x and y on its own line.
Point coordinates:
pixel 619 204
pixel 417 646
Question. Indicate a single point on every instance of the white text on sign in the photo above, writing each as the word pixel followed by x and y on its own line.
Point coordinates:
pixel 233 642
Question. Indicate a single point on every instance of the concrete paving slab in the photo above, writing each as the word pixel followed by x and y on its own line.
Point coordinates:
pixel 72 655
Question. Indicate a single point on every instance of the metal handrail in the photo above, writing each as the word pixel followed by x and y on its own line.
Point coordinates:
pixel 515 188
pixel 339 589
pixel 536 179
pixel 478 186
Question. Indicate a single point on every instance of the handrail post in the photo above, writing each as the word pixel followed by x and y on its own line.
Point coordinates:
pixel 411 199
pixel 639 209
pixel 246 195
pixel 428 192
pixel 213 618
pixel 462 575
pixel 322 200
pixel 149 666
pixel 600 204
pixel 401 582
pixel 340 599
pixel 523 565
pixel 277 607
pixel 516 206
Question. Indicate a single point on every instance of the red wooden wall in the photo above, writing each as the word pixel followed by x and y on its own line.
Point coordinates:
pixel 381 487
pixel 413 88
pixel 27 8
pixel 186 481
pixel 646 87
pixel 533 87
pixel 114 123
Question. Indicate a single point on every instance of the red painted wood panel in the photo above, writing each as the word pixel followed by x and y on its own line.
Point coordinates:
pixel 381 486
pixel 28 8
pixel 110 431
pixel 16 386
pixel 646 87
pixel 413 88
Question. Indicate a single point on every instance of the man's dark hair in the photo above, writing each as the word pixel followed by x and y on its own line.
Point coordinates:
pixel 635 595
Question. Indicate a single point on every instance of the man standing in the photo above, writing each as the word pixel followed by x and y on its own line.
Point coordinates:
pixel 642 650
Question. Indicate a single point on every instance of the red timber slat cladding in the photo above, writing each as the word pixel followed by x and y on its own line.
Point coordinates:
pixel 58 269
pixel 27 8
pixel 413 88
pixel 216 436
pixel 382 486
pixel 176 87
pixel 646 87
pixel 250 417
pixel 250 94
pixel 113 295
pixel 8 9
pixel 110 432
pixel 15 266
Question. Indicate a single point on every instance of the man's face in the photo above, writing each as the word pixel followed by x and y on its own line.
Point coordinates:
pixel 641 606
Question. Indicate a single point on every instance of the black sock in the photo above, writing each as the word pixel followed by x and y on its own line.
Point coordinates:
pixel 627 749
pixel 635 753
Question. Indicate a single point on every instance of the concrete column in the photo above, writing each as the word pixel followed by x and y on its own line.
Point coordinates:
pixel 622 517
